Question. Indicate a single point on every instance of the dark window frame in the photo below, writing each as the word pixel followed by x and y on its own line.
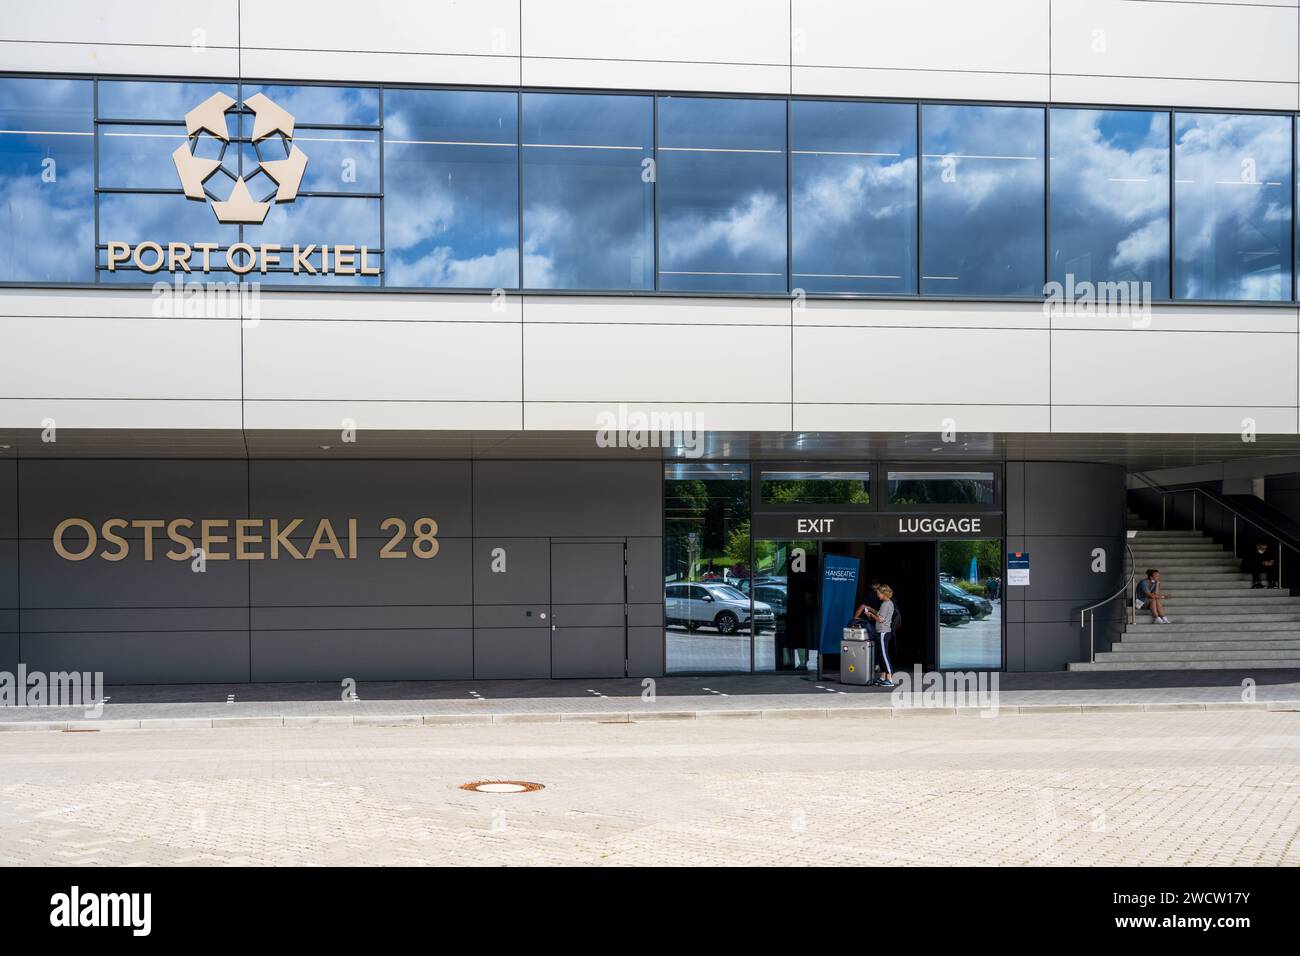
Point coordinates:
pixel 792 294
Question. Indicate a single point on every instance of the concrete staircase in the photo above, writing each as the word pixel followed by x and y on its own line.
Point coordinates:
pixel 1219 622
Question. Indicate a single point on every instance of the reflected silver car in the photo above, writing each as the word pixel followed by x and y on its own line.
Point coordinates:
pixel 711 604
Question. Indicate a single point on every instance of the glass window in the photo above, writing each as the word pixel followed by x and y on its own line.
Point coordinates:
pixel 707 540
pixel 46 180
pixel 148 100
pixel 451 185
pixel 722 189
pixel 815 487
pixel 338 161
pixel 853 202
pixel 324 105
pixel 1232 206
pixel 970 604
pixel 588 198
pixel 1110 197
pixel 162 217
pixel 982 200
pixel 941 488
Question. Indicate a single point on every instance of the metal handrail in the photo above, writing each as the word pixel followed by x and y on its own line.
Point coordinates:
pixel 1091 609
pixel 1218 502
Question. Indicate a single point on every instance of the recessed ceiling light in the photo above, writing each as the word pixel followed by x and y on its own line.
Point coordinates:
pixel 326 447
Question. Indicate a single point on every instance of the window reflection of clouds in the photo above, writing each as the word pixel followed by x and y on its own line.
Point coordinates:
pixel 588 214
pixel 722 182
pixel 982 200
pixel 47 219
pixel 451 188
pixel 146 100
pixel 1110 197
pixel 1232 206
pixel 324 105
pixel 853 184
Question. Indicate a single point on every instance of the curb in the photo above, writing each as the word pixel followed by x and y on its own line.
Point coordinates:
pixel 636 717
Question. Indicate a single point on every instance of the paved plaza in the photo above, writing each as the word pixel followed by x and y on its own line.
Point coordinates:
pixel 1206 787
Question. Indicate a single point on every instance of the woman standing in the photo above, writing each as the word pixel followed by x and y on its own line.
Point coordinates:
pixel 884 618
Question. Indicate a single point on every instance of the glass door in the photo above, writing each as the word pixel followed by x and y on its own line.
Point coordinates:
pixel 970 605
pixel 785 594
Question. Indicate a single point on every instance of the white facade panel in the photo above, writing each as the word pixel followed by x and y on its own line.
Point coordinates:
pixel 900 366
pixel 161 415
pixel 720 31
pixel 925 418
pixel 977 36
pixel 656 75
pixel 1147 91
pixel 371 67
pixel 211 23
pixel 608 364
pixel 391 307
pixel 645 310
pixel 101 358
pixel 1201 41
pixel 922 84
pixel 1174 420
pixel 1174 368
pixel 366 416
pixel 705 416
pixel 382 361
pixel 945 315
pixel 54 57
pixel 475 27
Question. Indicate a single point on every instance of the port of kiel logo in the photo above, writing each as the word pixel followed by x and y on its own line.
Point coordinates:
pixel 207 132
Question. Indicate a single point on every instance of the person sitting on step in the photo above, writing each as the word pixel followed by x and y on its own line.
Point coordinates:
pixel 1151 597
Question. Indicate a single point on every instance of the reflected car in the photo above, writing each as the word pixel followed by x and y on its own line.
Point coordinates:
pixel 745 584
pixel 952 615
pixel 773 595
pixel 708 604
pixel 977 606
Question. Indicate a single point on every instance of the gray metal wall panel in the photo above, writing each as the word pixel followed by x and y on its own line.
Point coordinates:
pixel 198 657
pixel 645 615
pixel 587 652
pixel 587 573
pixel 512 652
pixel 369 491
pixel 9 573
pixel 512 615
pixel 645 651
pixel 367 579
pixel 169 619
pixel 587 615
pixel 355 618
pixel 1068 509
pixel 52 490
pixel 363 655
pixel 8 497
pixel 50 581
pixel 567 498
pixel 527 575
pixel 645 570
pixel 8 652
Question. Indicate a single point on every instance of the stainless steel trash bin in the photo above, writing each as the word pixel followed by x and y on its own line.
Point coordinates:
pixel 857 657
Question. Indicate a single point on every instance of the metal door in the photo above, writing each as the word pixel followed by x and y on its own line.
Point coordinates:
pixel 588 608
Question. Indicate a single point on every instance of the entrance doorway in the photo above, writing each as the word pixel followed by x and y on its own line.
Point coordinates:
pixel 945 592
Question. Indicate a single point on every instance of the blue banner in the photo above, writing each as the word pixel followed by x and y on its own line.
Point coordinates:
pixel 839 594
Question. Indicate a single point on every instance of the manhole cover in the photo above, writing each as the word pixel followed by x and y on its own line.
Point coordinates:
pixel 501 786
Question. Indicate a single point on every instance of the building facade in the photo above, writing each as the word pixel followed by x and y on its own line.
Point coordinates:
pixel 520 339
